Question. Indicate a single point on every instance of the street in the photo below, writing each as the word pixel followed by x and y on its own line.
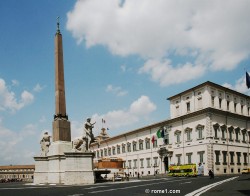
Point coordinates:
pixel 221 185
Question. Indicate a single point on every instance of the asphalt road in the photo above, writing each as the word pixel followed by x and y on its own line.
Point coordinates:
pixel 221 185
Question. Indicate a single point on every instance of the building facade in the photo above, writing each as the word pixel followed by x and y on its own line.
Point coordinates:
pixel 23 173
pixel 209 125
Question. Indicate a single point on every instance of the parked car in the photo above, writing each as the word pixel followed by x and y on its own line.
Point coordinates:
pixel 246 171
pixel 118 178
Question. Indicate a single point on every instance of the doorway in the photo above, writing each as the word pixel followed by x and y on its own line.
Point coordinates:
pixel 165 161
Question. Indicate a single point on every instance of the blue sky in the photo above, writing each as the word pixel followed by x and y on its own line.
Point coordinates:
pixel 122 59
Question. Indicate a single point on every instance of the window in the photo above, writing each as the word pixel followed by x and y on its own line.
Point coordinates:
pixel 148 163
pixel 155 161
pixel 118 149
pixel 188 132
pixel 178 136
pixel 235 107
pixel 141 160
pixel 199 129
pixel 216 129
pixel 124 164
pixel 147 142
pixel 217 157
pixel 244 135
pixel 223 131
pixel 129 163
pixel 231 158
pixel 189 136
pixel 140 145
pixel 228 104
pixel 201 156
pixel 188 106
pixel 135 163
pixel 220 101
pixel 178 156
pixel 98 154
pixel 123 148
pixel 241 108
pixel 109 151
pixel 113 151
pixel 101 153
pixel 212 101
pixel 134 146
pixel 237 131
pixel 129 147
pixel 105 152
pixel 224 157
pixel 230 129
pixel 155 143
pixel 238 158
pixel 245 158
pixel 189 157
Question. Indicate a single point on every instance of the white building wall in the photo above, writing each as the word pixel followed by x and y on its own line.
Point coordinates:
pixel 202 150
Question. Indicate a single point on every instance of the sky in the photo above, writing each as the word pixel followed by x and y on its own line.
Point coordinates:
pixel 122 60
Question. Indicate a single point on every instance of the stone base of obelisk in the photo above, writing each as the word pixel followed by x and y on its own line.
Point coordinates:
pixel 62 166
pixel 56 161
pixel 79 168
pixel 41 170
pixel 51 168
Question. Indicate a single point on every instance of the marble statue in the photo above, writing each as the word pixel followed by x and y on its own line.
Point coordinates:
pixel 45 143
pixel 78 144
pixel 83 143
pixel 88 126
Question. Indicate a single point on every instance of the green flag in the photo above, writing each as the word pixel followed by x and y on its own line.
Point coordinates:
pixel 158 133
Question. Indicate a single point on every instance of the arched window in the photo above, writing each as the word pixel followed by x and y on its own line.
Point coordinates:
pixel 200 130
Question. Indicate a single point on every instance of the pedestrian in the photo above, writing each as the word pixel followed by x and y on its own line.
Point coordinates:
pixel 211 174
pixel 138 175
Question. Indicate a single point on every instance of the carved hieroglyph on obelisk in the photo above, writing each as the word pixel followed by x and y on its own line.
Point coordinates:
pixel 61 125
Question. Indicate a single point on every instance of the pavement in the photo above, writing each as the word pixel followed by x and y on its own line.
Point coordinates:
pixel 237 185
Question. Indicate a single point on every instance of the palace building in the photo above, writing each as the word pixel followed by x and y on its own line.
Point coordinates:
pixel 209 126
pixel 17 172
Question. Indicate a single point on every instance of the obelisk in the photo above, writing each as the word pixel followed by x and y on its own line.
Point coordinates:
pixel 61 125
pixel 61 164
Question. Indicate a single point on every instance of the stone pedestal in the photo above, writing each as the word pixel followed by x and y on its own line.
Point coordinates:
pixel 79 168
pixel 41 170
pixel 62 166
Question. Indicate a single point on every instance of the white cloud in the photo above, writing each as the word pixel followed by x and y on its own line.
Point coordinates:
pixel 15 83
pixel 164 72
pixel 138 111
pixel 118 91
pixel 158 29
pixel 76 129
pixel 14 145
pixel 38 88
pixel 8 100
pixel 42 119
pixel 239 85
